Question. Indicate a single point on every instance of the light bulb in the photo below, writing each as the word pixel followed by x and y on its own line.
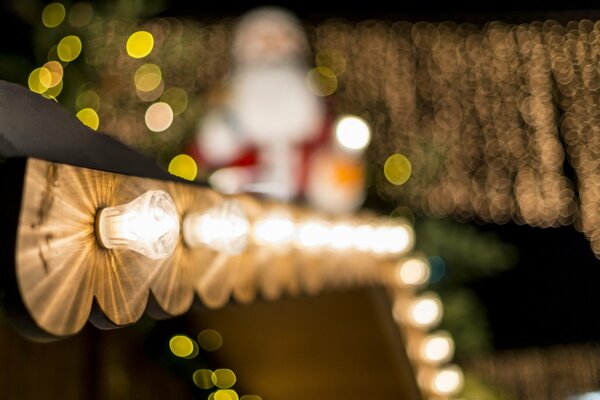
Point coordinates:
pixel 363 237
pixel 447 381
pixel 436 348
pixel 412 272
pixel 352 133
pixel 148 225
pixel 275 229
pixel 342 237
pixel 425 311
pixel 223 228
pixel 392 239
pixel 313 234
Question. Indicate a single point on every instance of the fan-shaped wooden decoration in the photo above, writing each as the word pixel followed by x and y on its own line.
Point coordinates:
pixel 174 283
pixel 60 267
pixel 62 271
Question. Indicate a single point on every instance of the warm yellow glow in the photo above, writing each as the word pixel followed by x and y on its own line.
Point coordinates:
pixel 153 94
pixel 148 225
pixel 38 80
pixel 437 348
pixel 227 394
pixel 54 91
pixel 223 378
pixel 81 14
pixel 177 98
pixel 342 237
pixel 352 133
pixel 276 229
pixel 147 77
pixel 203 378
pixel 448 381
pixel 184 167
pixel 321 81
pixel 223 228
pixel 332 59
pixel 425 311
pixel 56 73
pixel 140 44
pixel 45 77
pixel 392 239
pixel 313 234
pixel 87 99
pixel 210 340
pixel 182 346
pixel 89 118
pixel 53 15
pixel 69 48
pixel 159 117
pixel 412 272
pixel 397 169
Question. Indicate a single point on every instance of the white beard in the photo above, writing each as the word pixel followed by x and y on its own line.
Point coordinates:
pixel 271 102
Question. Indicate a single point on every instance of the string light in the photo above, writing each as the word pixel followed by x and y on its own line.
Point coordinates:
pixel 223 228
pixel 274 229
pixel 423 312
pixel 148 225
pixel 447 381
pixel 412 272
pixel 313 234
pixel 473 154
pixel 341 237
pixel 363 237
pixel 352 133
pixel 436 348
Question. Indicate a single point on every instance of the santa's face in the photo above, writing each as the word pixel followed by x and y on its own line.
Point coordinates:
pixel 269 35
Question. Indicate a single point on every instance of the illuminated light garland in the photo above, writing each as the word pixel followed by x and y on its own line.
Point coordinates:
pixel 223 228
pixel 431 92
pixel 383 238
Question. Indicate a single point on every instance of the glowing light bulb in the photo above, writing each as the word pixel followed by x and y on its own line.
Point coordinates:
pixel 392 239
pixel 447 381
pixel 223 228
pixel 362 237
pixel 148 225
pixel 437 348
pixel 412 272
pixel 352 133
pixel 275 229
pixel 342 237
pixel 425 311
pixel 313 234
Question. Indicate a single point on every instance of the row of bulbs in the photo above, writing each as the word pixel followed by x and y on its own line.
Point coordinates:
pixel 150 225
pixel 417 315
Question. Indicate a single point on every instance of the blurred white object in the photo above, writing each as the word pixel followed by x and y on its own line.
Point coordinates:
pixel 219 140
pixel 223 228
pixel 232 180
pixel 271 103
pixel 269 107
pixel 352 133
pixel 335 182
pixel 268 34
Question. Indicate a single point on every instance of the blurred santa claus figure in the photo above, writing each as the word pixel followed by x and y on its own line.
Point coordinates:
pixel 268 133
